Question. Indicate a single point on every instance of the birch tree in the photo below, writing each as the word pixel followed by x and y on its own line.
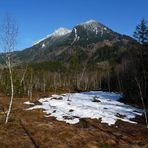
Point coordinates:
pixel 9 31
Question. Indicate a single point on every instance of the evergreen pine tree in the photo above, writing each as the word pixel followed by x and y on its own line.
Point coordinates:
pixel 141 32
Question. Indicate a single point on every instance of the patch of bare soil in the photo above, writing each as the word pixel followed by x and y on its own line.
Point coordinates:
pixel 29 129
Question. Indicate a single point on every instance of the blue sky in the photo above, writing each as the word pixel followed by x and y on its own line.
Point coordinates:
pixel 38 18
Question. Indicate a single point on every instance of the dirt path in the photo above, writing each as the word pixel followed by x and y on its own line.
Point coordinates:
pixel 23 125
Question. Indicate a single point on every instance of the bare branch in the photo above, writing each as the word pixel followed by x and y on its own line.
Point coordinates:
pixel 9 31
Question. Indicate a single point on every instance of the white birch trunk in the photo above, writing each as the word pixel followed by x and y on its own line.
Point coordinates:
pixel 12 92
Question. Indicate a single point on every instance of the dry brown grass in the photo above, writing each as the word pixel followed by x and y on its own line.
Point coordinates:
pixel 50 133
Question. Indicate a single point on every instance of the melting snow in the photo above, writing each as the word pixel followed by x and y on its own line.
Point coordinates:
pixel 96 30
pixel 28 103
pixel 76 36
pixel 95 105
pixel 43 45
pixel 102 32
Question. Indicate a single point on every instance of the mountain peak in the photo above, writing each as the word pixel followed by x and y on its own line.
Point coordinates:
pixel 89 22
pixel 91 25
pixel 60 32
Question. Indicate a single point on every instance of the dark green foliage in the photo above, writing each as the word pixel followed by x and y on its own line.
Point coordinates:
pixel 48 66
pixel 105 53
pixel 107 61
pixel 141 32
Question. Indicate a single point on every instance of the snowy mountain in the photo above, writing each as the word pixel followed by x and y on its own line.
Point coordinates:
pixel 86 31
pixel 60 32
pixel 57 33
pixel 91 31
pixel 63 43
pixel 93 26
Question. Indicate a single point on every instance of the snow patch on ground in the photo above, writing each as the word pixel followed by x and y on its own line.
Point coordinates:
pixel 28 103
pixel 71 107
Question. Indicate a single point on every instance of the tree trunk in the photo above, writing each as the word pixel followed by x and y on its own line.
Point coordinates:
pixel 23 77
pixel 12 92
pixel 142 100
pixel 108 74
pixel 119 82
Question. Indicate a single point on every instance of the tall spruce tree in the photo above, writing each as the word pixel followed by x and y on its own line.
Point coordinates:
pixel 141 32
pixel 141 76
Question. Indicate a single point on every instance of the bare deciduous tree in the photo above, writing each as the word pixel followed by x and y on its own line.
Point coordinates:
pixel 142 100
pixel 9 31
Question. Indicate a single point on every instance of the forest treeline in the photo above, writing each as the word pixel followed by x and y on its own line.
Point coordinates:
pixel 126 72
